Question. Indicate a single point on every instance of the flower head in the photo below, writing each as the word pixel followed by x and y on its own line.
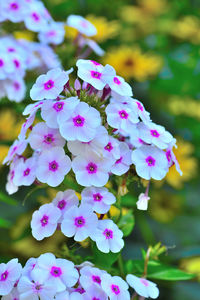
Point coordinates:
pixel 143 287
pixel 9 274
pixel 115 287
pixel 25 172
pixel 142 202
pixel 122 164
pixel 82 25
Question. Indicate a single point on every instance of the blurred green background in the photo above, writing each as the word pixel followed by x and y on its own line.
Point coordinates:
pixel 154 45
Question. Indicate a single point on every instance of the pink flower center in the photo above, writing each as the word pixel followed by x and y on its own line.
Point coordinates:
pixel 119 160
pixel 108 234
pixel 168 155
pixel 48 139
pixel 79 222
pixel 117 81
pixel 35 16
pixel 96 75
pixel 155 133
pixel 108 147
pixel 91 168
pixel 17 63
pixel 51 33
pixel 16 85
pixel 84 24
pixel 38 287
pixel 139 105
pixel 97 197
pixel 11 49
pixel 27 172
pixel 56 271
pixel 78 121
pixel 95 63
pixel 62 204
pixel 49 84
pixel 150 161
pixel 53 166
pixel 94 298
pixel 1 62
pixel 14 6
pixel 115 289
pixel 58 106
pixel 141 141
pixel 144 281
pixel 96 279
pixel 4 276
pixel 44 220
pixel 123 114
pixel 80 290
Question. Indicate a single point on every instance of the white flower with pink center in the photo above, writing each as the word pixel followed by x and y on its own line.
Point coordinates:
pixel 93 73
pixel 32 108
pixel 122 164
pixel 6 66
pixel 14 10
pixel 155 134
pixel 35 288
pixel 44 221
pixel 91 169
pixel 172 158
pixel 115 287
pixel 90 276
pixel 29 266
pixel 135 138
pixel 55 112
pixel 27 124
pixel 67 296
pixel 15 89
pixel 150 162
pixel 18 147
pixel 79 222
pixel 108 237
pixel 52 166
pixel 97 144
pixel 142 113
pixel 9 274
pixel 99 198
pixel 54 33
pixel 58 272
pixel 82 124
pixel 25 172
pixel 35 19
pixel 50 85
pixel 142 202
pixel 121 116
pixel 82 25
pixel 112 150
pixel 95 293
pixel 65 200
pixel 13 295
pixel 143 287
pixel 19 65
pixel 42 137
pixel 11 188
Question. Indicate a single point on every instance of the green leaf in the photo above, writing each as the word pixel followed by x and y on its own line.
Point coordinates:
pixel 126 223
pixel 5 198
pixel 4 223
pixel 128 200
pixel 103 260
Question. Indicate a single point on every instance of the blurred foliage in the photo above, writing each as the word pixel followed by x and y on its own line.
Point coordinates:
pixel 154 44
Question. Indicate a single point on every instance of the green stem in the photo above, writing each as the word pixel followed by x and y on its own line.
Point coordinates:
pixel 121 265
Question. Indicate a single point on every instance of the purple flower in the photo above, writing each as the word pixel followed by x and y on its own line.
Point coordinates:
pixel 44 221
pixel 9 274
pixel 52 166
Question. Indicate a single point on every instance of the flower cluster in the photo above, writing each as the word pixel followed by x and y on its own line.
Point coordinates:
pixel 48 277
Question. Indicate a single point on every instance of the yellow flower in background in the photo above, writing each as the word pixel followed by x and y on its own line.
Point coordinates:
pixel 154 7
pixel 188 28
pixel 191 265
pixel 177 106
pixel 25 35
pixel 164 206
pixel 105 29
pixel 187 162
pixel 132 63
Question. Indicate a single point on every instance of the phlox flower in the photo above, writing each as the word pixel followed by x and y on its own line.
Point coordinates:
pixel 52 166
pixel 54 112
pixel 27 124
pixel 90 276
pixel 35 19
pixel 44 221
pixel 99 198
pixel 49 85
pixel 54 33
pixel 122 164
pixel 121 116
pixel 82 124
pixel 115 287
pixel 112 150
pixel 96 144
pixel 33 108
pixel 65 200
pixel 150 162
pixel 94 73
pixel 172 158
pixel 18 147
pixel 142 113
pixel 94 46
pixel 58 272
pixel 29 266
pixel 14 10
pixel 25 172
pixel 11 188
pixel 42 137
pixel 9 274
pixel 142 202
pixel 135 138
pixel 108 237
pixel 68 296
pixel 82 25
pixel 35 288
pixel 143 287
pixel 155 134
pixel 79 222
pixel 13 295
pixel 95 293
pixel 91 169
pixel 15 89
pixel 6 66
